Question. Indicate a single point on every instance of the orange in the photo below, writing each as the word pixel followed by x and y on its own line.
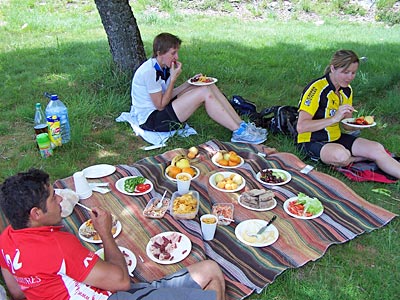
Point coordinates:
pixel 232 163
pixel 223 162
pixel 173 171
pixel 189 170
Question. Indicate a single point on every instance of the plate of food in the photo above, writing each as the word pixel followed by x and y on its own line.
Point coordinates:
pixel 273 177
pixel 227 182
pixel 98 171
pixel 303 207
pixel 194 171
pixel 258 200
pixel 130 258
pixel 90 235
pixel 168 247
pixel 227 159
pixel 360 122
pixel 134 185
pixel 245 230
pixel 201 79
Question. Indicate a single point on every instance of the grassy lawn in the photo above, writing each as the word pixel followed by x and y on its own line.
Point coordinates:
pixel 62 48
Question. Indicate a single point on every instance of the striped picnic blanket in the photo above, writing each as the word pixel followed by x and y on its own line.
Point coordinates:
pixel 247 269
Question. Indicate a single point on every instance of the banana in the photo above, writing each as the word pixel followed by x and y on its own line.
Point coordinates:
pixel 177 158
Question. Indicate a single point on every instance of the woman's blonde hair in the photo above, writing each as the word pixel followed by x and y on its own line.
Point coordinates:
pixel 342 59
pixel 165 41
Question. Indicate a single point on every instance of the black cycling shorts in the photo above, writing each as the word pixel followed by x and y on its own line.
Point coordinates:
pixel 162 121
pixel 313 149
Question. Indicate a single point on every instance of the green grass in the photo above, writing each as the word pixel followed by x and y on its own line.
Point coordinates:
pixel 62 48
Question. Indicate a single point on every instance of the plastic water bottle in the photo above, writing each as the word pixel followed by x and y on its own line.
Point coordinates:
pixel 40 122
pixel 56 107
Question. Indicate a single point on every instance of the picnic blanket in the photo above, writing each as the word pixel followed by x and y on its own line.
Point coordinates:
pixel 247 269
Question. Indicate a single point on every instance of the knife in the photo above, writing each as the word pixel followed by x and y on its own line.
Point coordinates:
pixel 262 229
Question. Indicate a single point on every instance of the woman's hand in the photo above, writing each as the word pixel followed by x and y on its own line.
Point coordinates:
pixel 344 111
pixel 175 70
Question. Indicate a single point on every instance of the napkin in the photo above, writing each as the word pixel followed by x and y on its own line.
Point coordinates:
pixel 70 198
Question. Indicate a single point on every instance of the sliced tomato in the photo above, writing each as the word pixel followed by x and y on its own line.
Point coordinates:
pixel 142 187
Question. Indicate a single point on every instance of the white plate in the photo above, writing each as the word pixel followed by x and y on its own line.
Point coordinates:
pixel 286 174
pixel 348 120
pixel 98 171
pixel 197 83
pixel 211 180
pixel 268 237
pixel 257 209
pixel 285 207
pixel 130 258
pixel 213 159
pixel 181 252
pixel 90 240
pixel 120 186
pixel 195 176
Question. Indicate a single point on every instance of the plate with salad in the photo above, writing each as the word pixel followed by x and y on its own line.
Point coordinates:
pixel 303 207
pixel 134 185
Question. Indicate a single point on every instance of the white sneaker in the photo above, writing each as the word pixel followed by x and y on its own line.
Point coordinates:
pixel 248 136
pixel 260 130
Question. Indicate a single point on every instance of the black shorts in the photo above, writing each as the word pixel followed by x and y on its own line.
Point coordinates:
pixel 162 121
pixel 313 149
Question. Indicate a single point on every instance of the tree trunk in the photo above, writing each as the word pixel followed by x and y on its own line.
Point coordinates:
pixel 123 34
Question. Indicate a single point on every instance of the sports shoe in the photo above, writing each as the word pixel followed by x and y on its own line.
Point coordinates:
pixel 259 130
pixel 247 135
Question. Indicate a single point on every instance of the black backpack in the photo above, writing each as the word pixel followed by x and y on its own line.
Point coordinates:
pixel 279 119
pixel 244 107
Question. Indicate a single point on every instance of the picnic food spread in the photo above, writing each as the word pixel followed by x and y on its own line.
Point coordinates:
pixel 295 241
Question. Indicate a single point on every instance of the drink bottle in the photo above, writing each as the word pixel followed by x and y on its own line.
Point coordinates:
pixel 54 131
pixel 40 122
pixel 56 107
pixel 44 144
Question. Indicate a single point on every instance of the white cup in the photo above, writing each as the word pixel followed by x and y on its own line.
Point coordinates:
pixel 82 187
pixel 183 181
pixel 208 224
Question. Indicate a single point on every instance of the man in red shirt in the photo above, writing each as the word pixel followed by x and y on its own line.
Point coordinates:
pixel 40 261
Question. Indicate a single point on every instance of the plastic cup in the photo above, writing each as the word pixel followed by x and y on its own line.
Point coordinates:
pixel 82 187
pixel 183 182
pixel 208 224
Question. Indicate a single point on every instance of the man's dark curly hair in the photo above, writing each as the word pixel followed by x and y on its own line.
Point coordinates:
pixel 22 192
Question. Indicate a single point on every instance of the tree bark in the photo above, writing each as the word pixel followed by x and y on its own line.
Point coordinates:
pixel 123 34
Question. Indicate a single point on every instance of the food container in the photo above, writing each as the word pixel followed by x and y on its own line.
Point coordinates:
pixel 151 210
pixel 225 210
pixel 184 206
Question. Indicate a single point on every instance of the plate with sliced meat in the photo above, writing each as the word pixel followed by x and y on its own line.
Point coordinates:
pixel 168 247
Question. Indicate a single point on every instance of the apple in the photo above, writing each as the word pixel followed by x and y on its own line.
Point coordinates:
pixel 182 163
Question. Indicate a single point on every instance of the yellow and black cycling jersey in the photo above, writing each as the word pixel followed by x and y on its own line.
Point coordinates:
pixel 320 100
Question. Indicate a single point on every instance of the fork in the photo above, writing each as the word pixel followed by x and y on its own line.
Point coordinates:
pixel 262 229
